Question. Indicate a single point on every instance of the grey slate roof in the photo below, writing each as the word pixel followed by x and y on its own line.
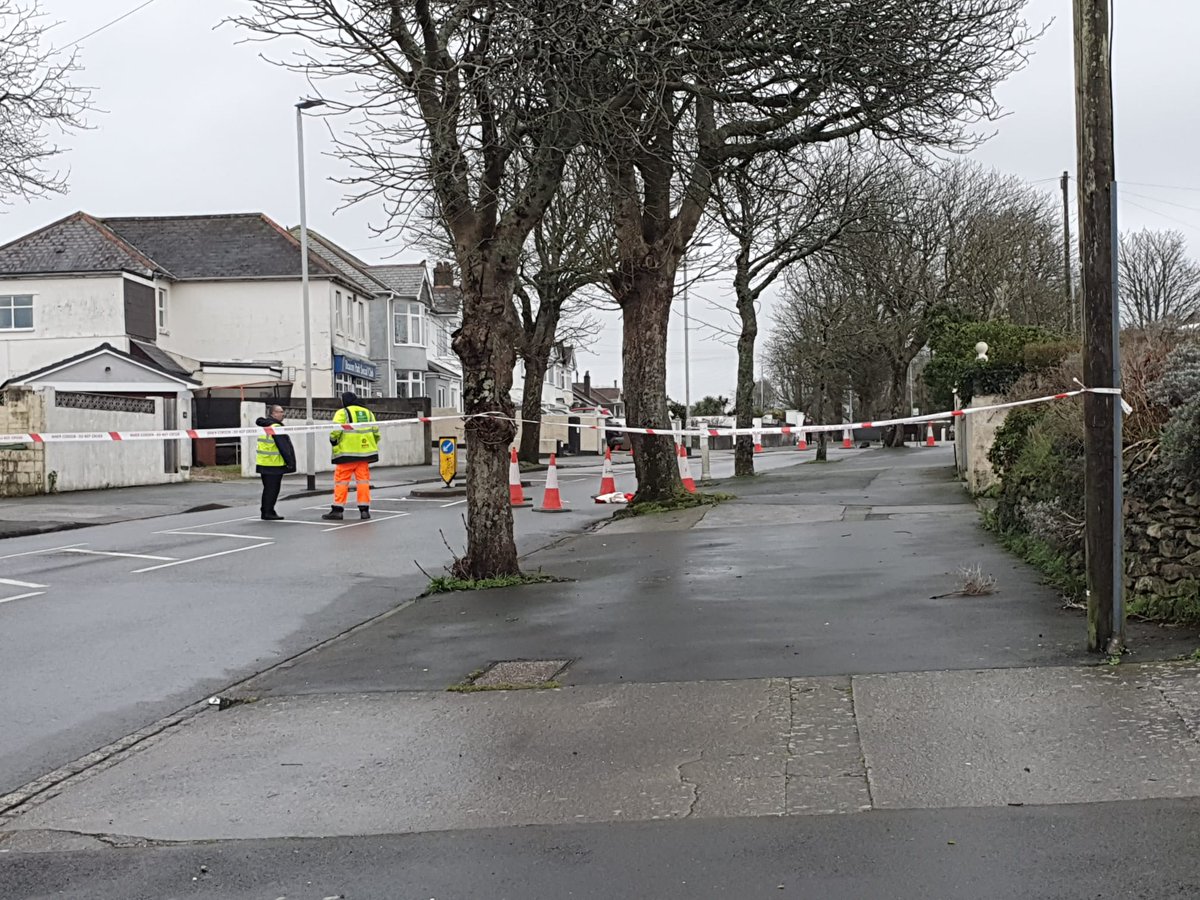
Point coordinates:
pixel 78 243
pixel 156 356
pixel 343 260
pixel 403 280
pixel 237 245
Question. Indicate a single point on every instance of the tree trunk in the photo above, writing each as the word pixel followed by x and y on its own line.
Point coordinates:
pixel 743 455
pixel 486 344
pixel 894 434
pixel 536 364
pixel 646 310
pixel 822 442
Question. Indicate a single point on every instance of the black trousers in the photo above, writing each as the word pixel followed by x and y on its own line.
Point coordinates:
pixel 272 482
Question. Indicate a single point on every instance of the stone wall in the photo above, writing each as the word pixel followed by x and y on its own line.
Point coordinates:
pixel 22 466
pixel 974 437
pixel 1162 565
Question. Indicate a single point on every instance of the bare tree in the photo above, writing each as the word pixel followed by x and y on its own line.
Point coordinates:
pixel 780 210
pixel 565 255
pixel 37 98
pixel 826 342
pixel 735 80
pixel 474 104
pixel 1159 282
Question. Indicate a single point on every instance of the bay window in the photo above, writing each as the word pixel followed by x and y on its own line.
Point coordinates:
pixel 409 324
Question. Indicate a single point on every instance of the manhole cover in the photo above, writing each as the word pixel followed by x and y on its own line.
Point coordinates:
pixel 521 672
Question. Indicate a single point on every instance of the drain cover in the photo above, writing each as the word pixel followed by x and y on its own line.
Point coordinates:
pixel 521 672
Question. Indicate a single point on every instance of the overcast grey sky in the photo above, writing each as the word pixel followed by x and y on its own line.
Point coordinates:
pixel 193 122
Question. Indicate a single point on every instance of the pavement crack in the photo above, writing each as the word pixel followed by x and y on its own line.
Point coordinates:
pixel 688 783
pixel 1188 726
pixel 789 747
pixel 866 764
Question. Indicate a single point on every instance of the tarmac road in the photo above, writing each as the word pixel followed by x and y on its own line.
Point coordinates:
pixel 105 630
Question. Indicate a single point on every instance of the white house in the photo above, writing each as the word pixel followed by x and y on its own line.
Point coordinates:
pixel 220 294
pixel 558 390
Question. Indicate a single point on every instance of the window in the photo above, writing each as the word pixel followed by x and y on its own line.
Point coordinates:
pixel 337 306
pixel 443 340
pixel 360 325
pixel 162 309
pixel 410 383
pixel 16 312
pixel 441 392
pixel 410 324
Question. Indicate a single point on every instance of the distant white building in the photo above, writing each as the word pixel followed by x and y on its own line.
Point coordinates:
pixel 214 297
pixel 558 394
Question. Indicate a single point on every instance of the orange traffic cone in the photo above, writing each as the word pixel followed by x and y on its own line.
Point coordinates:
pixel 551 501
pixel 847 441
pixel 929 439
pixel 802 444
pixel 608 482
pixel 516 496
pixel 685 471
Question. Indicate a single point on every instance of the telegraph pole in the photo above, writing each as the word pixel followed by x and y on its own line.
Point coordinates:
pixel 1068 290
pixel 1104 529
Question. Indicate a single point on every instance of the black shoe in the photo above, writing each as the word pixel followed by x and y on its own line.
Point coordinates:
pixel 334 515
pixel 364 512
pixel 272 517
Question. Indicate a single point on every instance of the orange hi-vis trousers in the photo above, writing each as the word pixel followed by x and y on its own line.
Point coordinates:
pixel 343 474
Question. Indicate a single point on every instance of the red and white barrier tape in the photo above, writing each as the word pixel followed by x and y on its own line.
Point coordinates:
pixel 326 427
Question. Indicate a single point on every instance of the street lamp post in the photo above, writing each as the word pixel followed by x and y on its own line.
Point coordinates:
pixel 310 443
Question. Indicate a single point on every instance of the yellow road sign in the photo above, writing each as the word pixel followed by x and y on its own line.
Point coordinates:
pixel 448 459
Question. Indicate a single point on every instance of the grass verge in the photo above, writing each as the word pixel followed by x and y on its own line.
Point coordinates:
pixel 678 502
pixel 447 583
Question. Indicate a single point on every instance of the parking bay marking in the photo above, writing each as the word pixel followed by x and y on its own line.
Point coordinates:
pixel 21 597
pixel 180 562
pixel 24 584
pixel 47 550
pixel 124 555
pixel 369 521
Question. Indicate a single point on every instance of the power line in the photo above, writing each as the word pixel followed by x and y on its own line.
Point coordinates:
pixel 1162 187
pixel 107 25
pixel 1155 212
pixel 1163 202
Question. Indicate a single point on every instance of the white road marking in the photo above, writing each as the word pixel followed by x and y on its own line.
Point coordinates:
pixel 369 521
pixel 244 537
pixel 299 521
pixel 21 597
pixel 15 583
pixel 47 550
pixel 180 562
pixel 455 503
pixel 211 524
pixel 114 553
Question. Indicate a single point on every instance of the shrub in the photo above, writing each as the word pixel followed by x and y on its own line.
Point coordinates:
pixel 954 365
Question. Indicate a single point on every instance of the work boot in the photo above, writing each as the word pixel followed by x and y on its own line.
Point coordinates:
pixel 272 517
pixel 334 514
pixel 364 512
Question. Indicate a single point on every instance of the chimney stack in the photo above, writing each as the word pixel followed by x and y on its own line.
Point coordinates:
pixel 443 275
pixel 587 383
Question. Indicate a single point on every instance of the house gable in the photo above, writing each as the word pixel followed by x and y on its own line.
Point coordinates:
pixel 104 369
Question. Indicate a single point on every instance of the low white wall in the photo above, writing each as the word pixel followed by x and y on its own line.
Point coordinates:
pixel 399 445
pixel 974 436
pixel 105 464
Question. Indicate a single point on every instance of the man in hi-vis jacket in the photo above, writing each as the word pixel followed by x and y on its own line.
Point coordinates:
pixel 353 453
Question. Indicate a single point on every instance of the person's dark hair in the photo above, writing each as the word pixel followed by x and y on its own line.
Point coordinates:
pixel 349 398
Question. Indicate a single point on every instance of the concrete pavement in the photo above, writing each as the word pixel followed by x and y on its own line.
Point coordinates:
pixel 774 696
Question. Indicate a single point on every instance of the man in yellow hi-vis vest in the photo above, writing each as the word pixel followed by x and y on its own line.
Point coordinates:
pixel 353 453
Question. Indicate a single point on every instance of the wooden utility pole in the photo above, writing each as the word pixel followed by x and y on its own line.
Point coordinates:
pixel 1068 291
pixel 1104 528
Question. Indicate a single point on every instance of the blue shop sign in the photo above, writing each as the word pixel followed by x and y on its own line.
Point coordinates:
pixel 348 365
